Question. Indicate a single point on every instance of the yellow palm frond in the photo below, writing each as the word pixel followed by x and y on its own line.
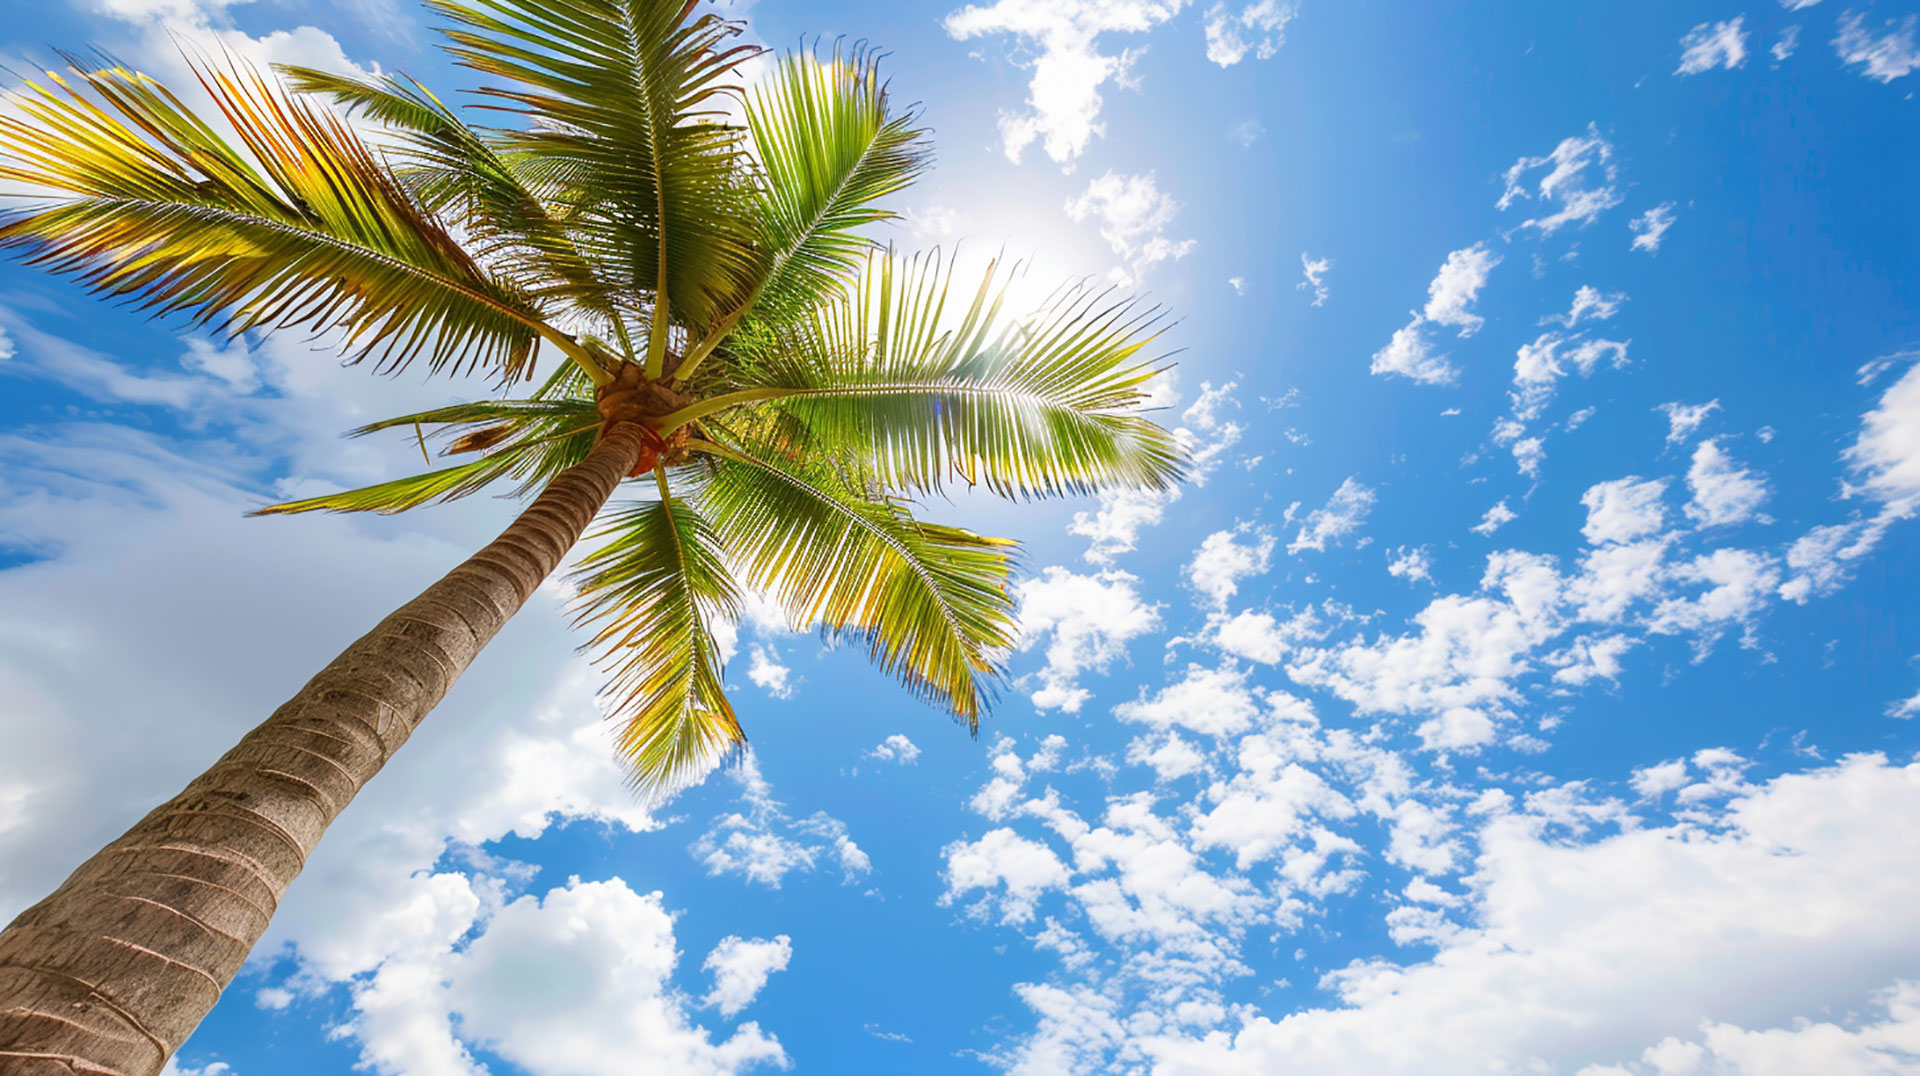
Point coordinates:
pixel 298 226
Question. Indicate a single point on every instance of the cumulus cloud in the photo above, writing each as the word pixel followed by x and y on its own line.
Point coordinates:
pixel 1684 419
pixel 578 982
pixel 1450 299
pixel 1885 457
pixel 1577 183
pixel 1624 509
pixel 1589 304
pixel 896 748
pixel 1539 366
pixel 1451 295
pixel 768 674
pixel 1133 215
pixel 1693 931
pixel 1087 622
pixel 1412 563
pixel 1069 65
pixel 1724 493
pixel 741 967
pixel 1713 44
pixel 1410 354
pixel 1223 560
pixel 1650 228
pixel 1259 28
pixel 1496 517
pixel 763 844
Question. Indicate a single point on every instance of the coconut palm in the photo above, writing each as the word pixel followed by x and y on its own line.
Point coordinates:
pixel 687 253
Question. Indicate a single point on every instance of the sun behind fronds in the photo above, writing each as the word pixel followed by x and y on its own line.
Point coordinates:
pixel 799 389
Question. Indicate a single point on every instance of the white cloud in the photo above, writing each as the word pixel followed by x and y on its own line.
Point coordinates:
pixel 1650 228
pixel 1724 493
pixel 1223 560
pixel 1021 869
pixel 1624 509
pixel 1857 1045
pixel 764 844
pixel 1539 366
pixel 895 748
pixel 1090 618
pixel 1211 702
pixel 1737 584
pixel 766 672
pixel 1585 953
pixel 741 966
pixel 1063 98
pixel 1114 528
pixel 212 1068
pixel 1886 455
pixel 1886 57
pixel 1238 284
pixel 578 983
pixel 1578 181
pixel 1711 45
pixel 1451 295
pixel 1313 272
pixel 1133 214
pixel 1259 28
pixel 1261 637
pixel 1341 516
pixel 1684 419
pixel 1450 299
pixel 1410 354
pixel 1797 5
pixel 1588 305
pixel 1246 132
pixel 1787 44
pixel 1496 517
pixel 1907 707
pixel 1412 563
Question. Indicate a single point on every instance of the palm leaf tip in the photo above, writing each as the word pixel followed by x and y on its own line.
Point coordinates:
pixel 931 602
pixel 925 381
pixel 650 594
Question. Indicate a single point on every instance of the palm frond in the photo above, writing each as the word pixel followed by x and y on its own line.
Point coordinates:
pixel 304 227
pixel 829 144
pixel 922 390
pixel 651 593
pixel 622 99
pixel 526 441
pixel 930 601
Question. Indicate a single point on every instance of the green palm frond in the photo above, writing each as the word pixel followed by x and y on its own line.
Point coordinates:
pixel 829 145
pixel 139 198
pixel 922 390
pixel 454 171
pixel 930 601
pixel 651 593
pixel 529 441
pixel 622 98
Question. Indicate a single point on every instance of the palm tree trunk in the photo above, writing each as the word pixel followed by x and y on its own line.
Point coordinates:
pixel 112 972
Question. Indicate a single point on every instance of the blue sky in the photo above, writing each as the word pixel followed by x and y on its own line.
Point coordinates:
pixel 1524 682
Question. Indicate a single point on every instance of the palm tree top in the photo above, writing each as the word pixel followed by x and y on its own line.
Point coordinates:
pixel 693 252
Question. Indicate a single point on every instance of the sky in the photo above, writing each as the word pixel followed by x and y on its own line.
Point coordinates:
pixel 1524 681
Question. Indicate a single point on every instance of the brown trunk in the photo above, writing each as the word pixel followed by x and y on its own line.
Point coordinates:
pixel 113 971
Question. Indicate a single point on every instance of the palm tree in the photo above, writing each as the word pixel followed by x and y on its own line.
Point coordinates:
pixel 781 390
